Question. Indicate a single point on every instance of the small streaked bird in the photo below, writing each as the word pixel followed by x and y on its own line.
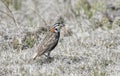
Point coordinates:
pixel 51 39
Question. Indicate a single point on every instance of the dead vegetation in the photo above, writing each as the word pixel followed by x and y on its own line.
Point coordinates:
pixel 89 44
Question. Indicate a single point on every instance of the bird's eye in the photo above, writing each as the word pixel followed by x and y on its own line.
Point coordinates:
pixel 55 28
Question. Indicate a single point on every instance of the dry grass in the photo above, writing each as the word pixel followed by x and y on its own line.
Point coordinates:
pixel 90 45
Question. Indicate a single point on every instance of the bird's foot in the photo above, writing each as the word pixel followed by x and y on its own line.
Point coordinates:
pixel 50 59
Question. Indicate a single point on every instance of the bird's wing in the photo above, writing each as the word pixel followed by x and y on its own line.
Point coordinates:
pixel 48 34
pixel 45 44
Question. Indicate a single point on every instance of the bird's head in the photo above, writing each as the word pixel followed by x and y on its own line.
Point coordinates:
pixel 58 25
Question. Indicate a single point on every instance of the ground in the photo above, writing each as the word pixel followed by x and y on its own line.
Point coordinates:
pixel 89 45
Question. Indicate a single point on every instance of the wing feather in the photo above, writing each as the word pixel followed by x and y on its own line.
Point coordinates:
pixel 46 43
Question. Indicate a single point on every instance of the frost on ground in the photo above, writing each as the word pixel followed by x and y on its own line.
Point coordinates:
pixel 89 44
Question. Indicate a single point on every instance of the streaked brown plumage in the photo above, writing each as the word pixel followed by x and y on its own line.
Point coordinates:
pixel 51 39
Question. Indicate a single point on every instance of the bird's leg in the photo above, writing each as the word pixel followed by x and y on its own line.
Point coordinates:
pixel 46 55
pixel 49 54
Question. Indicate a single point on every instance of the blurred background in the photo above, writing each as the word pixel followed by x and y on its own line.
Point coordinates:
pixel 89 44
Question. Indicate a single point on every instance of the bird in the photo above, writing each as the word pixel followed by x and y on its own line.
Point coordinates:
pixel 51 39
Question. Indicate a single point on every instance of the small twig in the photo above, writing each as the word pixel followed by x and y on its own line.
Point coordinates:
pixel 36 11
pixel 46 8
pixel 41 17
pixel 12 15
pixel 6 13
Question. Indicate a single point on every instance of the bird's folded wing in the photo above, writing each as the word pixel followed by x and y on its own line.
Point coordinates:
pixel 48 40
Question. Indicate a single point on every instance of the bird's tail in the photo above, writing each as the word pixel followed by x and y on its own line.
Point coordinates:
pixel 35 56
